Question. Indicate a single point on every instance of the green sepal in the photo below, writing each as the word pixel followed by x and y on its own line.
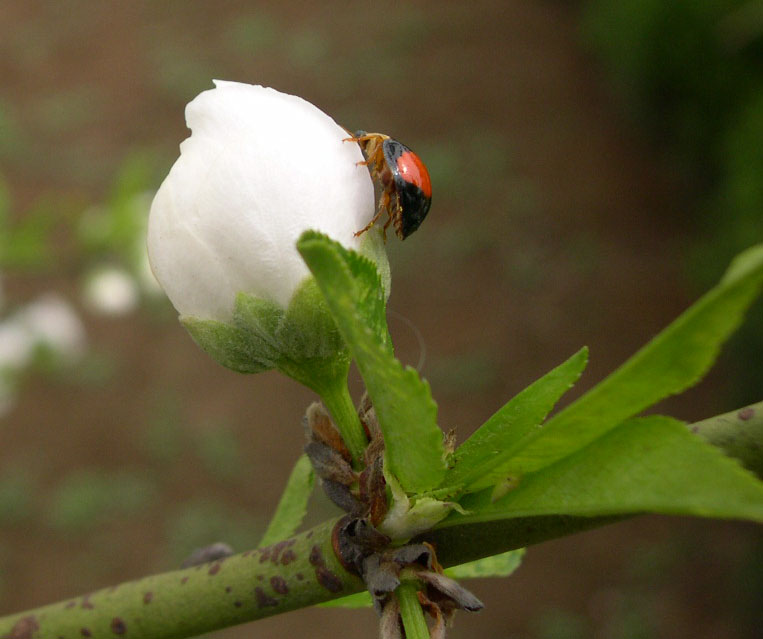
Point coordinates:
pixel 257 321
pixel 301 341
pixel 225 344
pixel 307 331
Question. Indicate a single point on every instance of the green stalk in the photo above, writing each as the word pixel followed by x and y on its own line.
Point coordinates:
pixel 337 398
pixel 410 611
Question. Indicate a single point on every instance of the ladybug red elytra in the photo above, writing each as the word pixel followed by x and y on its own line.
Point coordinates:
pixel 406 190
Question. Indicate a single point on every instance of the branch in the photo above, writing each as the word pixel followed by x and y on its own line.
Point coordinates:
pixel 291 574
pixel 303 570
pixel 739 434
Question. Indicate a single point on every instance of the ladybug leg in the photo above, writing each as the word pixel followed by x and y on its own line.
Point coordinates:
pixel 386 225
pixel 362 138
pixel 374 155
pixel 370 224
pixel 396 217
pixel 383 205
pixel 372 151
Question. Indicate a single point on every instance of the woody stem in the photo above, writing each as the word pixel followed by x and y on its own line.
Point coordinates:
pixel 293 573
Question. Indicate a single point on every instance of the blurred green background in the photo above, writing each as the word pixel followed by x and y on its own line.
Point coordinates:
pixel 595 166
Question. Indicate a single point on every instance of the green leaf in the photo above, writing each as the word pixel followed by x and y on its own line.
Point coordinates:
pixel 360 599
pixel 496 566
pixel 480 460
pixel 403 403
pixel 368 297
pixel 292 508
pixel 650 464
pixel 673 361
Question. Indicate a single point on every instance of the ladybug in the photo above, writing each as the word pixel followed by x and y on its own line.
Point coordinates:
pixel 406 190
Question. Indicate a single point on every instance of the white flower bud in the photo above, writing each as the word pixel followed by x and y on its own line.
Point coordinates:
pixel 259 168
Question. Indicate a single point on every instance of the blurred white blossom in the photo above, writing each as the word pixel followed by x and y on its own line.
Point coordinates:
pixel 53 323
pixel 111 291
pixel 17 344
pixel 49 322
